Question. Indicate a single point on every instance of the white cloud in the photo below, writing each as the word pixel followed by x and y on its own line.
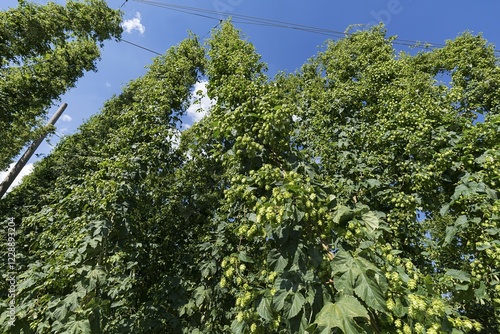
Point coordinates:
pixel 108 84
pixel 66 118
pixel 134 24
pixel 175 139
pixel 62 132
pixel 200 103
pixel 27 169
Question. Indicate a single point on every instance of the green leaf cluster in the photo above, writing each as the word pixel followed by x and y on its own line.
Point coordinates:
pixel 294 206
pixel 44 50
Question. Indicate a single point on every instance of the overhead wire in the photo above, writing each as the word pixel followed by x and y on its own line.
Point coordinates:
pixel 252 20
pixel 140 46
pixel 214 27
pixel 238 18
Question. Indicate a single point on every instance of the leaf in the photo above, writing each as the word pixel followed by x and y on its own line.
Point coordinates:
pixel 264 308
pixel 366 286
pixel 399 309
pixel 492 231
pixel 71 301
pixel 444 209
pixel 457 331
pixel 53 303
pixel 461 287
pixel 342 215
pixel 199 295
pixel 252 217
pixel 243 256
pixel 491 193
pixel 60 313
pixel 276 260
pixel 342 262
pixel 458 274
pixel 299 323
pixel 279 299
pixel 483 246
pixel 95 241
pixel 461 190
pixel 461 221
pixel 78 327
pixel 289 211
pixel 341 315
pixel 362 277
pixel 118 303
pixel 451 231
pixel 208 268
pixel 97 275
pixel 237 327
pixel 311 295
pixel 25 284
pixel 297 303
pixel 480 292
pixel 298 215
pixel 371 220
pixel 374 183
pixel 345 283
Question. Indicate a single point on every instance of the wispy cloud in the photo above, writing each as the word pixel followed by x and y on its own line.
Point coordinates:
pixel 108 84
pixel 66 118
pixel 134 24
pixel 200 103
pixel 62 132
pixel 175 138
pixel 25 171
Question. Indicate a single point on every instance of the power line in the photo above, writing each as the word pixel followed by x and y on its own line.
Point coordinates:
pixel 252 20
pixel 142 47
pixel 215 26
pixel 237 18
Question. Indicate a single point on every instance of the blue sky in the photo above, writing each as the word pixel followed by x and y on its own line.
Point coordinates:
pixel 282 49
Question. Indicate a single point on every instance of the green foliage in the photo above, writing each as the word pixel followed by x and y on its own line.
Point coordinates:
pixel 291 208
pixel 44 50
pixel 341 315
pixel 89 243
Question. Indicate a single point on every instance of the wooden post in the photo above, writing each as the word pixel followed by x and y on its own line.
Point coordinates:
pixel 29 152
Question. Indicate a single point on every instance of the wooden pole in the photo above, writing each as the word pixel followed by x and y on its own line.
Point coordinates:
pixel 29 152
